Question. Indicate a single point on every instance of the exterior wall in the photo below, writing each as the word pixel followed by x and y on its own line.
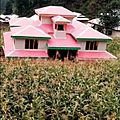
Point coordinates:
pixel 19 44
pixel 46 20
pixel 60 34
pixel 102 46
pixel 115 34
pixel 82 44
pixel 42 45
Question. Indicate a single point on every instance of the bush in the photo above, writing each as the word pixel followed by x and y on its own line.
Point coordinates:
pixel 53 90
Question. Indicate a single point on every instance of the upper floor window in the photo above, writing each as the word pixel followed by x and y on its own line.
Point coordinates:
pixel 31 44
pixel 59 27
pixel 40 18
pixel 91 45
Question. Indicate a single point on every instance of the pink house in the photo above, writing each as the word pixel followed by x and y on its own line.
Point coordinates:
pixel 54 35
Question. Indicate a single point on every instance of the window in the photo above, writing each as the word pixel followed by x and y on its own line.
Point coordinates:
pixel 91 45
pixel 31 44
pixel 40 18
pixel 59 27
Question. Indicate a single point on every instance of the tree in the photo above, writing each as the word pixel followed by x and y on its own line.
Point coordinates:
pixel 8 7
pixel 110 17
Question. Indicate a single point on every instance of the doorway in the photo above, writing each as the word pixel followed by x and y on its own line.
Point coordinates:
pixel 62 54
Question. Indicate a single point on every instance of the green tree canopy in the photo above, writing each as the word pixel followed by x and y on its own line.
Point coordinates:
pixel 110 16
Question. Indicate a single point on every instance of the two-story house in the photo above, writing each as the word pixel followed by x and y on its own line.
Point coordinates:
pixel 54 35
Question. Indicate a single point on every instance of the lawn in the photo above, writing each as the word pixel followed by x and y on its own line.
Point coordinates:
pixel 54 90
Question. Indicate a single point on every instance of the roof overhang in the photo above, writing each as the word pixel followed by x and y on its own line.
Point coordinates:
pixel 64 48
pixel 31 37
pixel 54 10
pixel 93 39
pixel 59 19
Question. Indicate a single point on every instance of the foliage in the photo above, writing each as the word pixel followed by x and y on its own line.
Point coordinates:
pixel 110 17
pixel 9 9
pixel 3 6
pixel 86 7
pixel 52 90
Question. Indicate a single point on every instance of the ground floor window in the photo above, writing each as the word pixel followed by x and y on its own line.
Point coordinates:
pixel 91 45
pixel 31 44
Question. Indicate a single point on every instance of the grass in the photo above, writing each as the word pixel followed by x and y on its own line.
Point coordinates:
pixel 52 90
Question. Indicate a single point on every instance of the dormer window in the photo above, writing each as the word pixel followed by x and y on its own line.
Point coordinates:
pixel 59 27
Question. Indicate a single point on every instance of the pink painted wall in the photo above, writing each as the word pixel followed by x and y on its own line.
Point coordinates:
pixel 101 45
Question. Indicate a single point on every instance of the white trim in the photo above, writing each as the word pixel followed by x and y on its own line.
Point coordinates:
pixel 111 55
pixel 91 51
pixel 9 53
pixel 14 44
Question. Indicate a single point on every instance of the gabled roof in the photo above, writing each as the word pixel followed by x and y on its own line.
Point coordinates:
pixel 83 32
pixel 60 19
pixel 31 32
pixel 91 34
pixel 54 10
